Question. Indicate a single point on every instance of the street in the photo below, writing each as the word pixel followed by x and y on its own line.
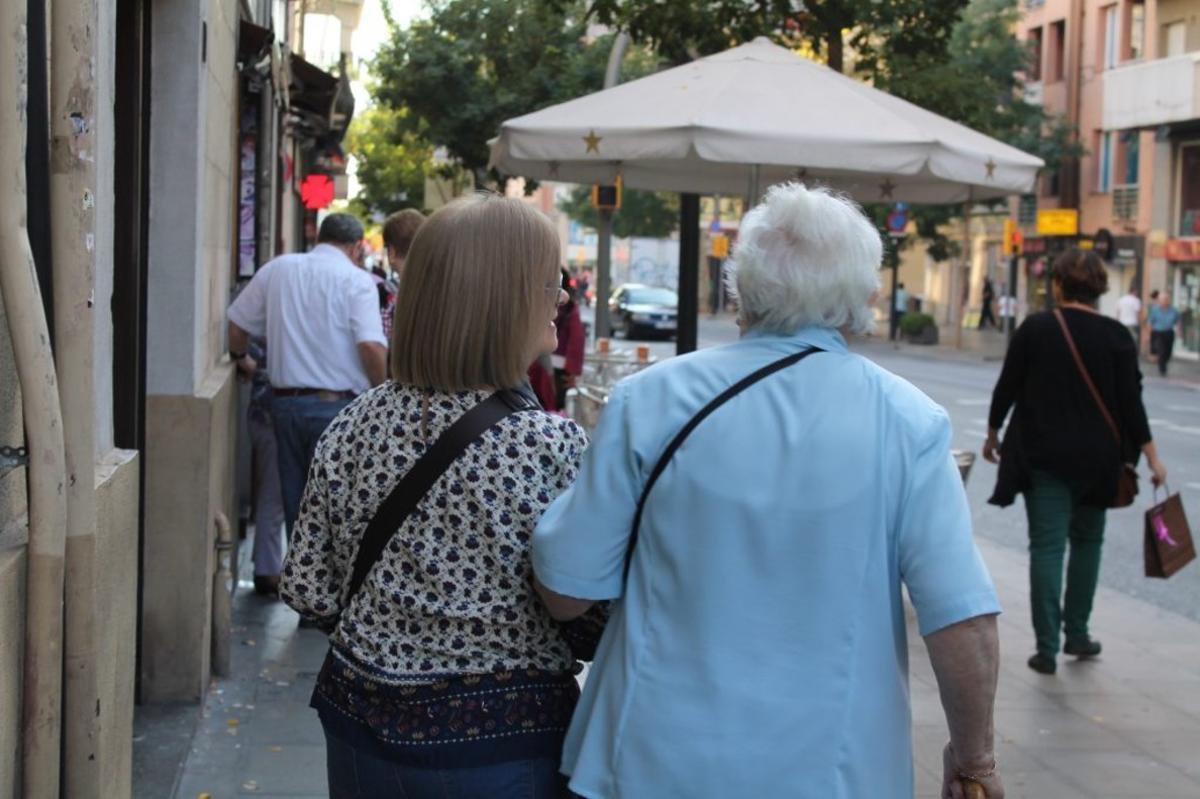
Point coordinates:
pixel 963 386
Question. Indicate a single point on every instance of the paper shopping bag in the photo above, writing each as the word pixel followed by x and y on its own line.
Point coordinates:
pixel 1168 540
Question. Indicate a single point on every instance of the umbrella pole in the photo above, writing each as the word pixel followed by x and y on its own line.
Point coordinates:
pixel 689 273
pixel 603 273
pixel 964 273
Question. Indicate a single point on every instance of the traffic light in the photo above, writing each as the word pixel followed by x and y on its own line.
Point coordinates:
pixel 1012 238
pixel 607 198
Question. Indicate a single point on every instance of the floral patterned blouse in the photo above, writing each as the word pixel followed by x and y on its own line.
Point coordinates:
pixel 452 592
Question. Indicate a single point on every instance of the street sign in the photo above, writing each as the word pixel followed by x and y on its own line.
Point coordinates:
pixel 1057 222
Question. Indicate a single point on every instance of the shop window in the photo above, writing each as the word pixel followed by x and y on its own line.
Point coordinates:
pixel 1189 190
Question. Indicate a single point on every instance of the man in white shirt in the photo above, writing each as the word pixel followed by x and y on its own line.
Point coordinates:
pixel 320 315
pixel 1129 313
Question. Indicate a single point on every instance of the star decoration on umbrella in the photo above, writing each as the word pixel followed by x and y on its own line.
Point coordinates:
pixel 990 166
pixel 886 188
pixel 593 142
pixel 554 165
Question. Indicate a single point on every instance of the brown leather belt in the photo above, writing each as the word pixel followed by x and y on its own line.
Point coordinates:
pixel 320 393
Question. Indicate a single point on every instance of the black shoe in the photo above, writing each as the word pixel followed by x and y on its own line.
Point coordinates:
pixel 1082 647
pixel 1043 664
pixel 266 584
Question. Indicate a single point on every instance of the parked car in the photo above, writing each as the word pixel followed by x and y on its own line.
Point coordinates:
pixel 639 311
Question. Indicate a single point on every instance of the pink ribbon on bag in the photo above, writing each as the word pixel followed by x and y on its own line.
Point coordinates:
pixel 1164 535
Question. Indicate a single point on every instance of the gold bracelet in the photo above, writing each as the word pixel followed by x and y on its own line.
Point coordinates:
pixel 978 776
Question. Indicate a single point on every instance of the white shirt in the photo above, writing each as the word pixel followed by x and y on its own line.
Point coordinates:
pixel 314 309
pixel 1008 306
pixel 1128 308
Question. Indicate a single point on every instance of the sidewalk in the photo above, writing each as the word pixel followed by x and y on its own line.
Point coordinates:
pixel 1124 725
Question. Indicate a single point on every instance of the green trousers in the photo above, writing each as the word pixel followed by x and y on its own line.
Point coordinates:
pixel 1056 517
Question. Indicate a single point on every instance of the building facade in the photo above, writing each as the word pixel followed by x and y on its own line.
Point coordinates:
pixel 1124 73
pixel 159 152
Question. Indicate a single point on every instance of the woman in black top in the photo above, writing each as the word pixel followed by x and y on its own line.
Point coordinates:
pixel 1061 453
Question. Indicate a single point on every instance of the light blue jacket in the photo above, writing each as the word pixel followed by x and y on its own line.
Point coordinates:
pixel 759 649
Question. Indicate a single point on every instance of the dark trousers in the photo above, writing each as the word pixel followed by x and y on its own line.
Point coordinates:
pixel 357 774
pixel 1162 343
pixel 1056 518
pixel 986 317
pixel 299 423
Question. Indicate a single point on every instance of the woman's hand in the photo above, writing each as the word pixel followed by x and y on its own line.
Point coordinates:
pixel 991 447
pixel 954 787
pixel 1158 472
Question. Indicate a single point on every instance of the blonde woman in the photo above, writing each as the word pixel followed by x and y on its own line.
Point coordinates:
pixel 446 675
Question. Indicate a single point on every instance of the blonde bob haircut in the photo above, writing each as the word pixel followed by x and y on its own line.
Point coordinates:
pixel 474 300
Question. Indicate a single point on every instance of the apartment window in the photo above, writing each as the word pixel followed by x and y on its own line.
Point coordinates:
pixel 1104 161
pixel 1189 190
pixel 1128 151
pixel 1110 37
pixel 1051 183
pixel 1056 68
pixel 1174 38
pixel 1137 30
pixel 1034 70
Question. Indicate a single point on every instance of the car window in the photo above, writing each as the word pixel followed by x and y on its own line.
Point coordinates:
pixel 653 296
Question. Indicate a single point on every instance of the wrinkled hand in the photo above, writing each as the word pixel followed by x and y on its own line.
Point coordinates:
pixel 991 447
pixel 955 788
pixel 1158 473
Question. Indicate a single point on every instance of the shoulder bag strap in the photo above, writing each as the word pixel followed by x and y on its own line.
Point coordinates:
pixel 393 511
pixel 1112 425
pixel 693 423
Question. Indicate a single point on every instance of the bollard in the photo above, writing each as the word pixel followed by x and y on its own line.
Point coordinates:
pixel 222 598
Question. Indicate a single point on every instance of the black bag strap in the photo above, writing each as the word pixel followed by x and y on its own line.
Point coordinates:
pixel 399 505
pixel 693 423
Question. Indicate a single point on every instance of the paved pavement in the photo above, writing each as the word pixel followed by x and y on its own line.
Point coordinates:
pixel 1124 725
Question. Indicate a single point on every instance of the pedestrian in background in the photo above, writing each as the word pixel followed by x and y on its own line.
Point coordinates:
pixel 986 315
pixel 446 676
pixel 756 648
pixel 568 356
pixel 900 307
pixel 399 230
pixel 1129 313
pixel 1060 451
pixel 319 313
pixel 1008 308
pixel 1163 318
pixel 268 547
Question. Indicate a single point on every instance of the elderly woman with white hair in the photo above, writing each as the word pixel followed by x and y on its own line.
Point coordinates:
pixel 756 509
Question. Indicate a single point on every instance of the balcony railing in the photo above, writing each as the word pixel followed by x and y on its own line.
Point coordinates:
pixel 1148 93
pixel 1125 202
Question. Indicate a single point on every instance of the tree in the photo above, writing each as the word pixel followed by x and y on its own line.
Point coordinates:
pixel 475 63
pixel 642 213
pixel 392 160
pixel 682 32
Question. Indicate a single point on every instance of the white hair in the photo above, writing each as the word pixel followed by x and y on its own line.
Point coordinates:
pixel 806 257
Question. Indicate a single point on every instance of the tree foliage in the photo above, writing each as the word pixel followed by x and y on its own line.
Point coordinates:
pixel 684 31
pixel 475 63
pixel 393 160
pixel 642 213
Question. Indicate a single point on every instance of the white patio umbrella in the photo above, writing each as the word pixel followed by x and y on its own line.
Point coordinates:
pixel 753 116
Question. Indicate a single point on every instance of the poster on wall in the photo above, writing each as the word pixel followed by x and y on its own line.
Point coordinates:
pixel 247 234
